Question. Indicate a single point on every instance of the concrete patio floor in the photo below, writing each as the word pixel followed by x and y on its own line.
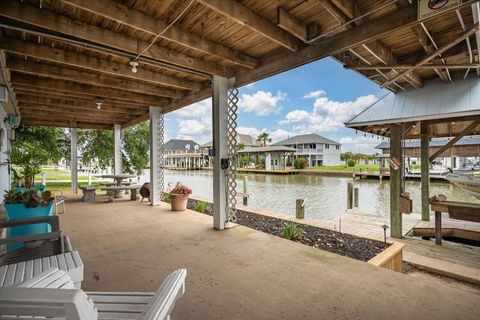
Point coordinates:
pixel 241 273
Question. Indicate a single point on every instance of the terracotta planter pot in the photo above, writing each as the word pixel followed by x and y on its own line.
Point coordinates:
pixel 179 202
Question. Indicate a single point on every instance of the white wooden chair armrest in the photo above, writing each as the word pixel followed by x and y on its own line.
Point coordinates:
pixel 52 278
pixel 72 304
pixel 172 288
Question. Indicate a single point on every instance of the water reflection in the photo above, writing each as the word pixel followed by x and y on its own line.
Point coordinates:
pixel 326 196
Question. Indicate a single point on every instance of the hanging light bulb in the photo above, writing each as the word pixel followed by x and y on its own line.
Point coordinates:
pixel 134 65
pixel 99 102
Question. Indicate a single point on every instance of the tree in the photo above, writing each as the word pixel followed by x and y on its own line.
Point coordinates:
pixel 96 146
pixel 136 147
pixel 240 146
pixel 264 137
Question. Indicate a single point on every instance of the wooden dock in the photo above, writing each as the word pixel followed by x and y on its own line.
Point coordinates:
pixel 263 171
pixel 461 262
pixel 376 175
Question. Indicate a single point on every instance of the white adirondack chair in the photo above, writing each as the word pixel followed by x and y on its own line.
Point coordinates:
pixel 51 295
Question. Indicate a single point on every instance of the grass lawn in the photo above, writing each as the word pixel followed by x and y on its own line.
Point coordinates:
pixel 59 174
pixel 65 186
pixel 345 168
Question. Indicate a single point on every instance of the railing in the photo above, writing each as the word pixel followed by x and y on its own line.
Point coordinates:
pixel 309 151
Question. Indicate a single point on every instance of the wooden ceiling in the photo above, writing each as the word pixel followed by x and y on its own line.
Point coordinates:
pixel 61 56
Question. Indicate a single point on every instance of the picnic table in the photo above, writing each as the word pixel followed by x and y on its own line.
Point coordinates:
pixel 119 180
pixel 112 191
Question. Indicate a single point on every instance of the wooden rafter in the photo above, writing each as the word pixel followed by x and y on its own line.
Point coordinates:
pixel 140 21
pixel 463 133
pixel 65 123
pixel 335 12
pixel 93 64
pixel 368 31
pixel 95 91
pixel 435 53
pixel 103 37
pixel 295 27
pixel 429 49
pixel 411 66
pixel 241 14
pixel 62 73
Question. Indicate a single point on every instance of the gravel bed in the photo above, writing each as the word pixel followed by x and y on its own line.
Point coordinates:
pixel 340 243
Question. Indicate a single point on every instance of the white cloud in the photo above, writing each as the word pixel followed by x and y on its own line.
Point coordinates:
pixel 327 115
pixel 361 144
pixel 199 109
pixel 261 103
pixel 198 130
pixel 314 94
pixel 275 135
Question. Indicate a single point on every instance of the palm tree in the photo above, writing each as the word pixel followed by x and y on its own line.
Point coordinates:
pixel 264 137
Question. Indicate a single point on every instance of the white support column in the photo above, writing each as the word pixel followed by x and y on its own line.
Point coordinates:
pixel 220 145
pixel 117 149
pixel 74 160
pixel 156 155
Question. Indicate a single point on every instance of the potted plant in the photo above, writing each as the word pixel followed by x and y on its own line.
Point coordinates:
pixel 27 204
pixel 179 197
pixel 29 158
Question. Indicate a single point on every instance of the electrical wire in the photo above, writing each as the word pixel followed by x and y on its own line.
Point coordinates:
pixel 164 30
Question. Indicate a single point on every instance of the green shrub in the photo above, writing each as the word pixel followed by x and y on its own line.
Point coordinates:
pixel 351 163
pixel 291 231
pixel 202 207
pixel 300 163
pixel 167 198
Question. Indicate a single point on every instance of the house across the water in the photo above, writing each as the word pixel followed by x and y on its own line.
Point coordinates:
pixel 183 154
pixel 317 150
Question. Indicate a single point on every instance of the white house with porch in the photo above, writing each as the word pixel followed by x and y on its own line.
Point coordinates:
pixel 185 154
pixel 318 150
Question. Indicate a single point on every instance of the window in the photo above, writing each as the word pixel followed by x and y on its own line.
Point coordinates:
pixel 337 147
pixel 327 146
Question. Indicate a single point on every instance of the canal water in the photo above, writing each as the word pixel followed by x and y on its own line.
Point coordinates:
pixel 326 196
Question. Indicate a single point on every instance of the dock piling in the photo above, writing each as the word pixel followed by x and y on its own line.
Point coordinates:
pixel 356 200
pixel 350 195
pixel 300 209
pixel 245 190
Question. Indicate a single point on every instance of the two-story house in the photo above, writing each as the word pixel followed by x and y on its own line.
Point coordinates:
pixel 183 154
pixel 318 150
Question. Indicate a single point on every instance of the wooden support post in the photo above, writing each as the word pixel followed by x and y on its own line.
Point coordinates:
pixel 245 190
pixel 356 200
pixel 396 181
pixel 350 195
pixel 74 161
pixel 220 146
pixel 438 227
pixel 425 170
pixel 300 209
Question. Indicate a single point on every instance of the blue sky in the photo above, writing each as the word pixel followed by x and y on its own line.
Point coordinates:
pixel 315 98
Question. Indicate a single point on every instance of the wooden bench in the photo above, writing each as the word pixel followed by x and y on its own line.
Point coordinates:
pixel 114 189
pixel 20 272
pixel 455 210
pixel 89 194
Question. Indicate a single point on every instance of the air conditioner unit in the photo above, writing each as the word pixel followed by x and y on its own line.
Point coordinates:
pixel 3 94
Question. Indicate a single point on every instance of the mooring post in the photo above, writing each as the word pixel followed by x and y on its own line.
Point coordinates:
pixel 245 190
pixel 350 195
pixel 355 197
pixel 300 209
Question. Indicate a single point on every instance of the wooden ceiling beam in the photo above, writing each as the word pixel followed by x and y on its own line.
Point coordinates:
pixel 54 22
pixel 40 115
pixel 140 21
pixel 98 115
pixel 346 6
pixel 95 91
pixel 33 68
pixel 295 27
pixel 411 66
pixel 385 56
pixel 437 52
pixel 335 12
pixel 65 124
pixel 67 104
pixel 75 97
pixel 423 39
pixel 69 58
pixel 368 31
pixel 244 16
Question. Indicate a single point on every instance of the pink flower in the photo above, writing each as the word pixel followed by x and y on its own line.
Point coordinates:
pixel 181 189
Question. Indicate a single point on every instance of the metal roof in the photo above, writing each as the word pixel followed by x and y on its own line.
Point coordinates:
pixel 305 139
pixel 267 149
pixel 436 100
pixel 435 142
pixel 178 144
